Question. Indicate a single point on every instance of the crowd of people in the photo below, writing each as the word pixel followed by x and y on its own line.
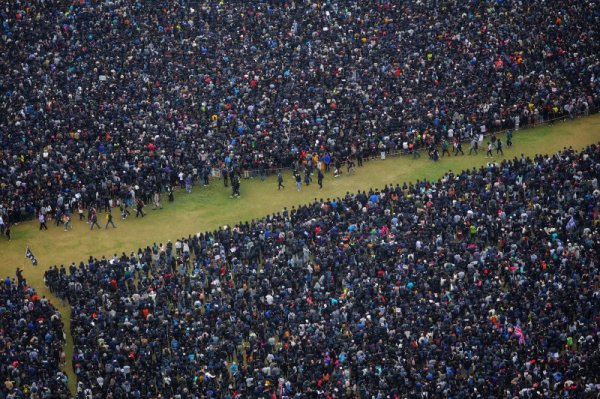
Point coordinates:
pixel 98 98
pixel 31 343
pixel 482 284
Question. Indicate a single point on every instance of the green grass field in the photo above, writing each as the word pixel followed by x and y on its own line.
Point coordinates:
pixel 206 208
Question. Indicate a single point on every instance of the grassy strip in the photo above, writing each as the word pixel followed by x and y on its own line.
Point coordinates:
pixel 206 208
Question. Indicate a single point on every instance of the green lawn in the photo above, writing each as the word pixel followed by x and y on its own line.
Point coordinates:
pixel 209 207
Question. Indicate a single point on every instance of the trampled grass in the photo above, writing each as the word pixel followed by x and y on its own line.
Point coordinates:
pixel 206 208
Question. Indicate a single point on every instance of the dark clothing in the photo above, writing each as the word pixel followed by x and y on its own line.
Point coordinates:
pixel 139 208
pixel 94 221
pixel 109 220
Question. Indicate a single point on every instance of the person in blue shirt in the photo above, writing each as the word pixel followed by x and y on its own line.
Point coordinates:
pixel 327 161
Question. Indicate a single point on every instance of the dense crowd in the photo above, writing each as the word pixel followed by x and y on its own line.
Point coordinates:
pixel 483 284
pixel 31 343
pixel 100 97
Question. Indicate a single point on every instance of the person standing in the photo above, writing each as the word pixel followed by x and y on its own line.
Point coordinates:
pixel 474 145
pixel 206 175
pixel 320 177
pixel 413 147
pixel 156 200
pixel 509 136
pixel 42 220
pixel 188 183
pixel 109 220
pixel 80 211
pixel 7 231
pixel 307 178
pixel 225 174
pixel 139 208
pixel 499 147
pixel 279 181
pixel 298 181
pixel 94 220
pixel 350 166
pixel 445 148
pixel 458 147
pixel 235 185
pixel 262 170
pixel 327 161
pixel 337 171
pixel 58 217
pixel 489 154
pixel 67 221
pixel 382 149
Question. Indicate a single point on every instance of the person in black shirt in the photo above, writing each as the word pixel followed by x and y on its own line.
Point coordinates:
pixel 109 220
pixel 320 177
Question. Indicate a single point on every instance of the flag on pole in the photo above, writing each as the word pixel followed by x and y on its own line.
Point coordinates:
pixel 519 333
pixel 29 255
